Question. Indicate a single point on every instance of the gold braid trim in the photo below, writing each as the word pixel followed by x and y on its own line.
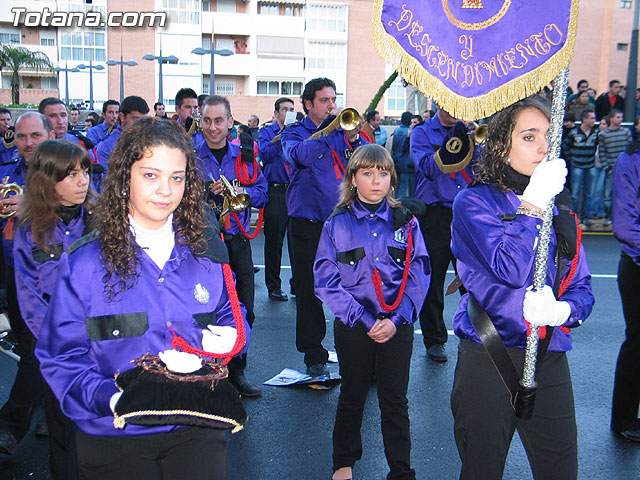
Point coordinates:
pixel 473 108
pixel 119 421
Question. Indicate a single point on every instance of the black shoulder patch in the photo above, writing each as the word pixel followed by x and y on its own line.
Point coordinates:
pixel 216 249
pixel 338 211
pixel 82 241
pixel 401 217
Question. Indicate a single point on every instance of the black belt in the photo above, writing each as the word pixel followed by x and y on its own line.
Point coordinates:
pixel 228 237
pixel 278 185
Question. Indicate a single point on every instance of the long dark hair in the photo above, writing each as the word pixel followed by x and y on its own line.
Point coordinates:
pixel 119 252
pixel 491 168
pixel 52 161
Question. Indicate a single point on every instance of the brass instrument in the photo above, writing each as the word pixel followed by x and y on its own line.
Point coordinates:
pixel 479 132
pixel 236 202
pixel 348 119
pixel 5 191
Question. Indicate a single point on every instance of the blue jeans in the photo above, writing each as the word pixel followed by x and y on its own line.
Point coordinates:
pixel 598 193
pixel 608 187
pixel 583 180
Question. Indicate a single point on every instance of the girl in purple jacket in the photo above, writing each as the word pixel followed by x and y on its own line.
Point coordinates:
pixel 53 214
pixel 372 270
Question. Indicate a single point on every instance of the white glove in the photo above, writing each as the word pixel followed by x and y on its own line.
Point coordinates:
pixel 218 339
pixel 546 182
pixel 180 362
pixel 113 401
pixel 541 308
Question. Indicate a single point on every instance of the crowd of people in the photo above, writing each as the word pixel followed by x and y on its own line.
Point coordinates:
pixel 133 236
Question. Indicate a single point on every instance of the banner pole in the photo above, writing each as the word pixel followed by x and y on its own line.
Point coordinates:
pixel 528 381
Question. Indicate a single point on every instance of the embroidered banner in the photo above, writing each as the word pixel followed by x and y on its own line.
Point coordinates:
pixel 475 57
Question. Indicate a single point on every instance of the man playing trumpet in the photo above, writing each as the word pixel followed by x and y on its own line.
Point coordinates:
pixel 316 167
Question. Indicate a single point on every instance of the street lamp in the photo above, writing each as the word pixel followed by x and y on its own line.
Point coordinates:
pixel 66 71
pixel 160 58
pixel 130 63
pixel 91 67
pixel 203 51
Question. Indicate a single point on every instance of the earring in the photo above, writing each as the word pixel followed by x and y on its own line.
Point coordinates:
pixel 393 189
pixel 508 160
pixel 124 194
pixel 353 188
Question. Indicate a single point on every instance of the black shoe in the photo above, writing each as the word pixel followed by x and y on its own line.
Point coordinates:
pixel 8 442
pixel 256 270
pixel 633 435
pixel 318 370
pixel 437 353
pixel 278 294
pixel 243 386
pixel 41 428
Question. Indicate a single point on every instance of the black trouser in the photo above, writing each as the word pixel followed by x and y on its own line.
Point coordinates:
pixel 310 322
pixel 187 453
pixel 27 389
pixel 359 356
pixel 436 230
pixel 241 264
pixel 276 220
pixel 626 388
pixel 62 439
pixel 484 421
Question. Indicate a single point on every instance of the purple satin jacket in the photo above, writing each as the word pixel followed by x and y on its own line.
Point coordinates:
pixel 355 242
pixel 106 146
pixel 626 204
pixel 86 339
pixel 496 260
pixel 433 186
pixel 211 169
pixel 36 271
pixel 16 170
pixel 97 133
pixel 273 162
pixel 314 179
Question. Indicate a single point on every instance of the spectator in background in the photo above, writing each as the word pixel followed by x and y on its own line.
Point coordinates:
pixel 375 133
pixel 583 86
pixel 74 120
pixel 581 104
pixel 159 110
pixel 609 101
pixel 580 147
pixel 254 126
pixel 427 114
pixel 413 95
pixel 92 120
pixel 7 144
pixel 612 142
pixel 401 157
pixel 604 123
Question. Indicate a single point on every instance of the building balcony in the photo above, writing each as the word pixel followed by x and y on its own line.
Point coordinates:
pixel 239 64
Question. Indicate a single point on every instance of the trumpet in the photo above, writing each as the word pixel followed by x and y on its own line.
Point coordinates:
pixel 5 191
pixel 236 202
pixel 348 119
pixel 479 132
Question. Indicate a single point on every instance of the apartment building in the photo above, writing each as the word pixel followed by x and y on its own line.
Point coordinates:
pixel 277 46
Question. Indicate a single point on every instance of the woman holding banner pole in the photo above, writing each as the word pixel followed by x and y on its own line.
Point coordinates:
pixel 495 235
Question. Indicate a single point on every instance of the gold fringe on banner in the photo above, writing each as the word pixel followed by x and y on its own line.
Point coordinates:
pixel 471 108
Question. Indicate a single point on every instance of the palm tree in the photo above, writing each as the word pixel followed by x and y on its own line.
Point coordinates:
pixel 15 59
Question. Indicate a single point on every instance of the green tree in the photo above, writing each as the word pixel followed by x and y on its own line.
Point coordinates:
pixel 15 59
pixel 383 88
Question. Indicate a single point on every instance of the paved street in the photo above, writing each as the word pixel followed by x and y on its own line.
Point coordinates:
pixel 288 435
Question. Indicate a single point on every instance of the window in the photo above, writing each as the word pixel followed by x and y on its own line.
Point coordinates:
pixel 396 96
pixel 50 83
pixel 82 46
pixel 329 56
pixel 276 87
pixel 626 4
pixel 183 11
pixel 622 47
pixel 293 10
pixel 228 6
pixel 268 8
pixel 225 43
pixel 225 86
pixel 9 38
pixel 206 43
pixel 47 42
pixel 324 18
pixel 206 6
